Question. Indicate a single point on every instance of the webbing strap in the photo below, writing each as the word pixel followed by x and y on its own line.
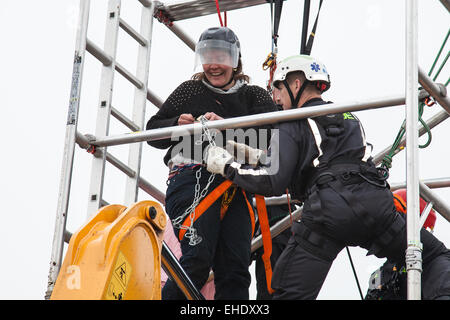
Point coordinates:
pixel 267 239
pixel 209 200
pixel 352 202
pixel 307 49
pixel 250 211
pixel 205 204
pixel 263 221
pixel 382 240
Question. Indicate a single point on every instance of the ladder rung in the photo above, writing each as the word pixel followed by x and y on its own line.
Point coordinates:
pixel 146 3
pixel 67 236
pixel 154 99
pixel 133 33
pixel 84 143
pixel 103 203
pixel 93 49
pixel 122 118
pixel 107 61
pixel 129 76
pixel 152 190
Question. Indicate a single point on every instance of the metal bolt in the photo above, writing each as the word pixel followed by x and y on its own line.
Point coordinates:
pixel 152 212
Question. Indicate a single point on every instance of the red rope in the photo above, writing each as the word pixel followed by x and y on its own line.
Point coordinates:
pixel 220 17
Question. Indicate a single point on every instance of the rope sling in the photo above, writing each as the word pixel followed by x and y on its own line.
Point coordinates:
pixel 396 146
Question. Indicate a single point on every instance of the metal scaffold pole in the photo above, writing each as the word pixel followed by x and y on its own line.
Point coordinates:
pixel 414 246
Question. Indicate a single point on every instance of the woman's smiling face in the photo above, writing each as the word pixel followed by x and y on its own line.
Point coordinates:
pixel 218 74
pixel 219 71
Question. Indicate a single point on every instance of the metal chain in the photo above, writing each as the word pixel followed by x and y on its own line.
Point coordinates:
pixel 191 232
pixel 206 133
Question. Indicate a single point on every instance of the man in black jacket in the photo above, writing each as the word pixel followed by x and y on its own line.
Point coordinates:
pixel 326 163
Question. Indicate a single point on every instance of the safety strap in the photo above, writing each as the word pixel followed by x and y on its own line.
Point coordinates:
pixel 262 216
pixel 205 204
pixel 209 200
pixel 306 49
pixel 383 240
pixel 275 19
pixel 267 239
pixel 250 211
pixel 352 202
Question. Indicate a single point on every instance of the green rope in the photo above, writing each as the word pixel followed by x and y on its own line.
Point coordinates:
pixel 442 65
pixel 439 52
pixel 387 159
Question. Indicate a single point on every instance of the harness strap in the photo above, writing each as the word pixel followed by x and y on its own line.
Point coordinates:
pixel 307 50
pixel 209 200
pixel 250 211
pixel 205 204
pixel 352 202
pixel 262 215
pixel 315 243
pixel 267 239
pixel 384 237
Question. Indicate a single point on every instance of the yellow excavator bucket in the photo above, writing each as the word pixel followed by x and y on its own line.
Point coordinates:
pixel 116 255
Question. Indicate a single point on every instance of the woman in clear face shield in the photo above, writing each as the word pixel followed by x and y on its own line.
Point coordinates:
pixel 220 238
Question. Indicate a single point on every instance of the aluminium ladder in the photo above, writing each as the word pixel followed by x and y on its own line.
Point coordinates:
pixel 104 111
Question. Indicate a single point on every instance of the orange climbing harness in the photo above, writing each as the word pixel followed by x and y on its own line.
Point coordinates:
pixel 222 189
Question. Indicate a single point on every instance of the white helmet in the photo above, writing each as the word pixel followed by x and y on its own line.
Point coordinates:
pixel 313 69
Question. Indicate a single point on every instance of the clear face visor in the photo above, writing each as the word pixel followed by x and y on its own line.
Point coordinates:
pixel 216 52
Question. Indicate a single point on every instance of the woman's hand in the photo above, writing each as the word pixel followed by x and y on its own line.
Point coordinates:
pixel 211 116
pixel 185 118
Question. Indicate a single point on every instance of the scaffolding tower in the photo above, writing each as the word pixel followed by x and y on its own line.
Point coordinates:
pixel 97 144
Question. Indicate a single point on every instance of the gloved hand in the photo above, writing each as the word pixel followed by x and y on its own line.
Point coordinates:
pixel 216 159
pixel 244 152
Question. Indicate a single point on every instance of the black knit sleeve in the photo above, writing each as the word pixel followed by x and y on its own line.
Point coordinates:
pixel 260 100
pixel 170 111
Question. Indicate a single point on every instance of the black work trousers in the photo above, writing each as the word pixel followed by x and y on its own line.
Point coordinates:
pixel 225 245
pixel 329 223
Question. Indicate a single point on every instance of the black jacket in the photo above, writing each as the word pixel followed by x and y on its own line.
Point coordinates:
pixel 297 153
pixel 194 97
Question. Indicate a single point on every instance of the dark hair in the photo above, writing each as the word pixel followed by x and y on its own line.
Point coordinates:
pixel 238 74
pixel 292 76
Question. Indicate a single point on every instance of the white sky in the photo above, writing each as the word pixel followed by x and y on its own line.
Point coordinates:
pixel 362 43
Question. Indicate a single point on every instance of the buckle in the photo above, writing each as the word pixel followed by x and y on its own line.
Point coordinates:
pixel 324 178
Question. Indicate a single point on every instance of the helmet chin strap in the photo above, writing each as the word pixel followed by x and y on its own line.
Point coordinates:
pixel 294 101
